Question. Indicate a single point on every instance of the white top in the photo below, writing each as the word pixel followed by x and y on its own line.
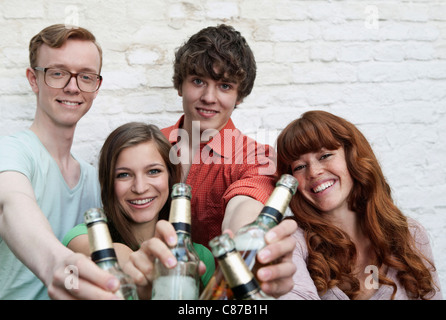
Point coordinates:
pixel 304 288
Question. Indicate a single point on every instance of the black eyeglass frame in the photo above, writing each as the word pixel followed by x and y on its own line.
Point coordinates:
pixel 44 70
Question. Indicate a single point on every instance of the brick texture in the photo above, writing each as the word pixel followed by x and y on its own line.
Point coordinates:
pixel 381 64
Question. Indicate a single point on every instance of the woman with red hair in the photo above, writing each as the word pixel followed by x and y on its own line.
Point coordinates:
pixel 353 242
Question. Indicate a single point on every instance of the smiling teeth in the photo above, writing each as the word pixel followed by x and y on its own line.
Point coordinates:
pixel 207 111
pixel 140 202
pixel 69 103
pixel 323 186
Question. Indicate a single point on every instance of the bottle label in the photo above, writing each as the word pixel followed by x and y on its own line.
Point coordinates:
pixel 182 227
pixel 275 214
pixel 245 290
pixel 234 269
pixel 102 255
pixel 99 237
pixel 180 211
pixel 279 199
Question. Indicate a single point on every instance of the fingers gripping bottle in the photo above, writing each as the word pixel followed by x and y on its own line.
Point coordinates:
pixel 237 274
pixel 103 252
pixel 181 282
pixel 251 238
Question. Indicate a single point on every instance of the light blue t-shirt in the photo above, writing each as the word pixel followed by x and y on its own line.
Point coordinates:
pixel 64 207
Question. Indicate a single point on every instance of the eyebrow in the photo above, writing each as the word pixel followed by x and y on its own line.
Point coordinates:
pixel 156 164
pixel 62 66
pixel 228 80
pixel 223 79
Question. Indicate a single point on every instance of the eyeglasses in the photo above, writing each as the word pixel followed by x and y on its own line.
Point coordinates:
pixel 59 78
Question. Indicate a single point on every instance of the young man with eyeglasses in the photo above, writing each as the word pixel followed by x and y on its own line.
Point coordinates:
pixel 44 188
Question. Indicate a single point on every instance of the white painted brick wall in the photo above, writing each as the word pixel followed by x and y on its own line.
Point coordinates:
pixel 381 64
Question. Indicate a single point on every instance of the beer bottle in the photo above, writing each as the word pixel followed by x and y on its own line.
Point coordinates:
pixel 182 281
pixel 103 252
pixel 237 274
pixel 250 239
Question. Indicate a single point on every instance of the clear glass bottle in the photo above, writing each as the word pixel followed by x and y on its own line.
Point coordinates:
pixel 182 281
pixel 251 238
pixel 239 278
pixel 103 252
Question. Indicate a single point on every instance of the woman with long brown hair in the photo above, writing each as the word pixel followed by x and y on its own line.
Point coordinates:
pixel 136 178
pixel 117 176
pixel 353 241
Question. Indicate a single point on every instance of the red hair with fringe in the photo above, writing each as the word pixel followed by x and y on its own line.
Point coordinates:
pixel 331 252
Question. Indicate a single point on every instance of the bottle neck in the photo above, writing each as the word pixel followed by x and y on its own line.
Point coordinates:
pixel 101 255
pixel 181 227
pixel 183 235
pixel 180 212
pixel 180 217
pixel 240 279
pixel 276 205
pixel 105 258
pixel 268 218
pixel 108 263
pixel 101 244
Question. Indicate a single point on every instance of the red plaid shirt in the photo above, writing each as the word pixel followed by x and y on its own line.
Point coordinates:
pixel 229 164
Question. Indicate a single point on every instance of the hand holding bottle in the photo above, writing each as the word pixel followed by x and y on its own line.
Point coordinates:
pixel 181 282
pixel 103 252
pixel 267 239
pixel 237 274
pixel 77 277
pixel 277 270
pixel 141 262
pixel 276 273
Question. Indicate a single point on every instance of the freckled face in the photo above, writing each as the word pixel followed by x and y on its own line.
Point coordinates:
pixel 141 182
pixel 324 179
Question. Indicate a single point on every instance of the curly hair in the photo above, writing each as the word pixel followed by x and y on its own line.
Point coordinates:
pixel 331 252
pixel 220 53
